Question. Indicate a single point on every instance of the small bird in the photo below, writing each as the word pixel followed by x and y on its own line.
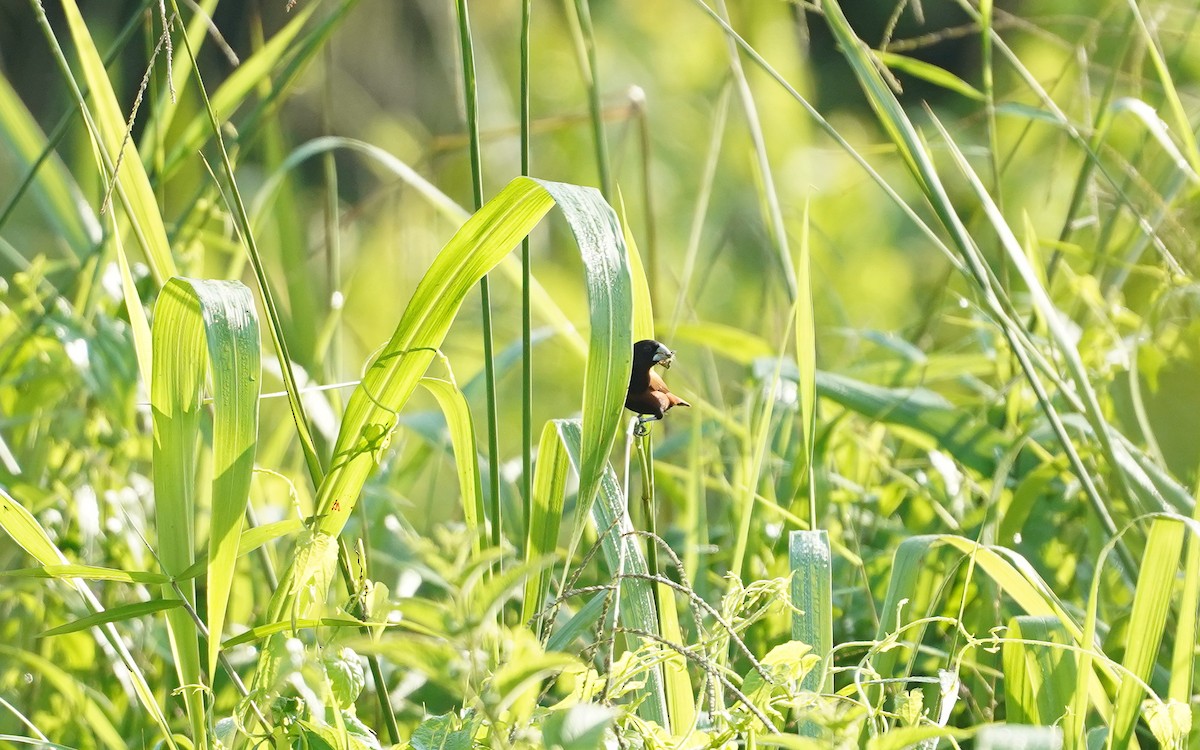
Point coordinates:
pixel 648 394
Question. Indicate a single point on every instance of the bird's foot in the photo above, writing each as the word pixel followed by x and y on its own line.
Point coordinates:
pixel 641 429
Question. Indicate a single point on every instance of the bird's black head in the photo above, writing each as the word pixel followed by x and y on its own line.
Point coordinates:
pixel 648 352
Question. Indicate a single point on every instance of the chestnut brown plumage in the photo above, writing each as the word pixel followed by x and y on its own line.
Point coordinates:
pixel 648 394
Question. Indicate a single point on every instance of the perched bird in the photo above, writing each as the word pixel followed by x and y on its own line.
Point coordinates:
pixel 648 394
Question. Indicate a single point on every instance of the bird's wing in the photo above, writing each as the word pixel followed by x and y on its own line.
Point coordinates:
pixel 658 385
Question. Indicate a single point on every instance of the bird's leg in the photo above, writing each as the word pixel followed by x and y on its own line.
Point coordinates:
pixel 641 429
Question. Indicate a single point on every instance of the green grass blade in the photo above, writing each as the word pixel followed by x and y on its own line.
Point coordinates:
pixel 88 573
pixel 643 312
pixel 293 625
pixel 143 345
pixel 811 562
pixel 1148 618
pixel 769 204
pixel 466 454
pixel 929 73
pixel 806 363
pixel 526 280
pixel 270 309
pixel 470 93
pixel 1183 651
pixel 251 540
pixel 198 31
pixel 579 625
pixel 116 614
pixel 1038 680
pixel 579 13
pixel 1049 314
pixel 549 483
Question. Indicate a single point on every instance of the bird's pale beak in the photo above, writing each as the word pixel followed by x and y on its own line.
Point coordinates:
pixel 663 357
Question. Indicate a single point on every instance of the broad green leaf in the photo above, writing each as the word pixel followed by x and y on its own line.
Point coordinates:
pixel 486 238
pixel 784 664
pixel 1169 722
pixel 441 733
pixel 527 672
pixel 203 328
